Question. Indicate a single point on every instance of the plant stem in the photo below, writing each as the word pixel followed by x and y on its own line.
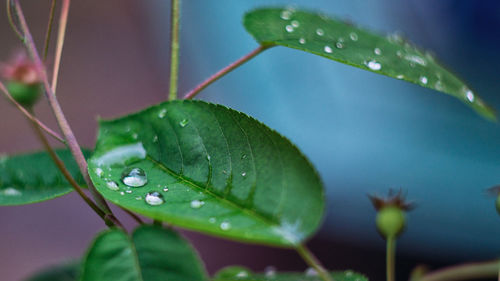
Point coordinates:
pixel 49 29
pixel 174 48
pixel 62 167
pixel 313 262
pixel 63 21
pixel 58 113
pixel 465 271
pixel 225 71
pixel 11 21
pixel 30 116
pixel 134 216
pixel 390 259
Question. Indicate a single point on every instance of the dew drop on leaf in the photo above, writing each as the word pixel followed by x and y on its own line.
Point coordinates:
pixel 196 204
pixel 377 51
pixel 423 80
pixel 154 198
pixel 295 23
pixel 328 49
pixel 162 113
pixel 374 65
pixel 134 177
pixel 353 36
pixel 289 28
pixel 225 225
pixel 320 32
pixel 112 185
pixel 183 123
pixel 302 41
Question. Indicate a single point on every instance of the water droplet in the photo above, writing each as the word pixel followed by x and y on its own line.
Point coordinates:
pixel 469 95
pixel 128 191
pixel 99 172
pixel 353 36
pixel 328 49
pixel 373 65
pixel 416 59
pixel 183 123
pixel 311 272
pixel 302 41
pixel 244 156
pixel 423 80
pixel 289 28
pixel 285 14
pixel 165 189
pixel 208 157
pixel 10 191
pixel 211 220
pixel 320 32
pixel 377 51
pixel 135 136
pixel 400 76
pixel 399 54
pixel 270 271
pixel 196 204
pixel 134 177
pixel 155 139
pixel 154 198
pixel 162 113
pixel 339 45
pixel 242 274
pixel 112 185
pixel 225 225
pixel 138 198
pixel 243 174
pixel 295 23
pixel 122 193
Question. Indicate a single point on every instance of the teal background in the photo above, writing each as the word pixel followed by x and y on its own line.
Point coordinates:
pixel 364 132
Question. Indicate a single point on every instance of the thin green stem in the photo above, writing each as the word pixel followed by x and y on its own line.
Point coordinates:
pixel 49 29
pixel 44 127
pixel 313 262
pixel 58 113
pixel 225 71
pixel 467 271
pixel 391 259
pixel 174 48
pixel 10 18
pixel 61 33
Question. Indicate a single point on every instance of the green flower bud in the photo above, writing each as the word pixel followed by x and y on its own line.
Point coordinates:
pixel 390 221
pixel 25 94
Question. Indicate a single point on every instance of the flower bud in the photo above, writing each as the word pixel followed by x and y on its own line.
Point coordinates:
pixel 23 81
pixel 391 214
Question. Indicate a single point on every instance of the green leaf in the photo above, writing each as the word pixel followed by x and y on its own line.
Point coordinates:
pixel 226 173
pixel 151 254
pixel 31 178
pixel 237 273
pixel 343 42
pixel 65 272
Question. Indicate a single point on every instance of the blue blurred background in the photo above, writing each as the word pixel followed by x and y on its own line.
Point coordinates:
pixel 364 132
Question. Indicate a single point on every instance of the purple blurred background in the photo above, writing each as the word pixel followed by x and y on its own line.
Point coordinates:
pixel 115 61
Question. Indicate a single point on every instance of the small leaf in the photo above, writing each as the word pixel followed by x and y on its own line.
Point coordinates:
pixel 209 168
pixel 151 254
pixel 236 273
pixel 346 43
pixel 31 178
pixel 65 272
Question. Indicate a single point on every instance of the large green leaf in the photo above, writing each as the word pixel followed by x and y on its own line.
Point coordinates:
pixel 226 173
pixel 236 273
pixel 151 254
pixel 31 178
pixel 343 42
pixel 65 272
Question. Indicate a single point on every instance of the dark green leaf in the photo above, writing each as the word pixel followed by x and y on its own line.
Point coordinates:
pixel 236 273
pixel 67 272
pixel 346 43
pixel 226 173
pixel 151 254
pixel 31 178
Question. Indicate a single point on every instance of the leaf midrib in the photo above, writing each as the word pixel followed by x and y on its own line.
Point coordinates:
pixel 194 185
